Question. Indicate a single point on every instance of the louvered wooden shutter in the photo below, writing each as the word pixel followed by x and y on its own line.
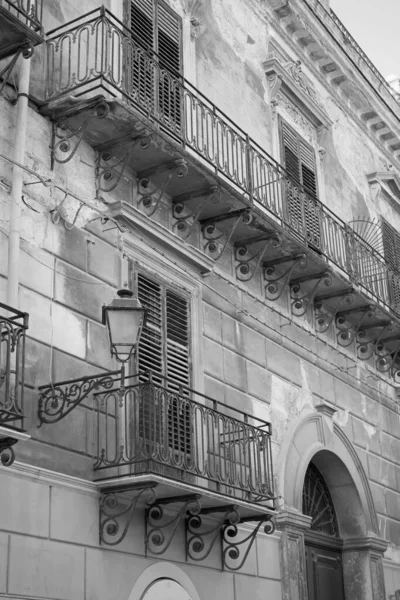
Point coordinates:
pixel 391 245
pixel 164 348
pixel 303 209
pixel 156 28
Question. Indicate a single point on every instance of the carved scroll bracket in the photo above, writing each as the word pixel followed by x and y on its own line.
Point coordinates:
pixel 150 200
pixel 248 262
pixel 277 280
pixel 301 299
pixel 217 241
pixel 160 530
pixel 185 221
pixel 235 549
pixel 109 175
pixel 323 320
pixel 63 146
pixel 200 539
pixel 116 511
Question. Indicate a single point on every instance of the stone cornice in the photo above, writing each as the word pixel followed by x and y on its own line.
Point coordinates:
pixel 292 519
pixel 335 91
pixel 365 543
pixel 134 220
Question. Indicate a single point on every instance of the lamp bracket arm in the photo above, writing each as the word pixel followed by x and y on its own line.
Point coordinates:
pixel 57 400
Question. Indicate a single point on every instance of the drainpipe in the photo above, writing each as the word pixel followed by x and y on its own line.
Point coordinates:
pixel 16 183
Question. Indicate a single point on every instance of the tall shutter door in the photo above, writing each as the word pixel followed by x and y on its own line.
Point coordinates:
pixel 391 245
pixel 150 351
pixel 142 25
pixel 292 165
pixel 169 44
pixel 311 206
pixel 178 370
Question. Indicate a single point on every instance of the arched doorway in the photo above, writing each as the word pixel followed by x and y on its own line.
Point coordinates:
pixel 314 437
pixel 323 545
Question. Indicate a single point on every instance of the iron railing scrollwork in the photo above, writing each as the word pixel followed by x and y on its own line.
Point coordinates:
pixel 29 12
pixel 154 427
pixel 93 52
pixel 13 326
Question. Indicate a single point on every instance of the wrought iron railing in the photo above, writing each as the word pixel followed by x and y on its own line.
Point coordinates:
pixel 13 326
pixel 336 28
pixel 97 52
pixel 154 426
pixel 29 12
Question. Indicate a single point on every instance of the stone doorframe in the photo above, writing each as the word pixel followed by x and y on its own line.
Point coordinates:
pixel 315 436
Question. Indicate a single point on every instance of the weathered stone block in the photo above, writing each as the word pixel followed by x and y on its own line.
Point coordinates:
pixel 258 382
pixel 268 557
pixel 69 331
pixel 104 262
pixel 213 363
pixel 223 296
pixel 211 583
pixel 36 269
pixel 98 347
pixel 214 389
pixel 69 433
pixel 393 504
pixel 390 447
pixel 283 363
pixel 365 435
pixel 235 370
pixel 212 322
pixel 348 397
pixel 14 515
pixel 54 458
pixel 103 569
pixel 71 246
pixel 74 516
pixel 378 494
pixel 81 292
pixel 46 569
pixel 67 367
pixel 257 588
pixel 4 540
pixel 393 531
pixel 37 363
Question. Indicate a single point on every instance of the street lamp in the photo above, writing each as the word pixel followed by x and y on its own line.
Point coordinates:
pixel 124 319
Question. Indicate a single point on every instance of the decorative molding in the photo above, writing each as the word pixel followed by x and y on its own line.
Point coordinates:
pixel 293 519
pixel 326 409
pixel 365 543
pixel 289 81
pixel 134 220
pixel 387 181
pixel 288 107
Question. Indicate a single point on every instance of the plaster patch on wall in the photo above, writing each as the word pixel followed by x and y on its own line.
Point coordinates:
pixel 370 429
pixel 393 553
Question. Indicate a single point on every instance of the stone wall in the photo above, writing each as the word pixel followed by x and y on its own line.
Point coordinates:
pixel 256 355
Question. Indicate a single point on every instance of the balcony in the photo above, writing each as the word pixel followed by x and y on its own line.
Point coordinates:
pixel 159 447
pixel 13 327
pixel 221 183
pixel 20 26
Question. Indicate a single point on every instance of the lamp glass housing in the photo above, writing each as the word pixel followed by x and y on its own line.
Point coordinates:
pixel 124 319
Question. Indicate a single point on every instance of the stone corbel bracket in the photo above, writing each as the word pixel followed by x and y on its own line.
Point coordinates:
pixel 281 81
pixel 389 182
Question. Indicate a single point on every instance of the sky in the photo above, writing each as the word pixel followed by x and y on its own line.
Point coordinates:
pixel 375 25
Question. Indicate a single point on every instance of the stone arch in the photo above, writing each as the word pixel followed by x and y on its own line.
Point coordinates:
pixel 162 570
pixel 315 436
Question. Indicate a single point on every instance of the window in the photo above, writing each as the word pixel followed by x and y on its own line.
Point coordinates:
pixel 158 30
pixel 318 504
pixel 391 248
pixel 303 213
pixel 164 349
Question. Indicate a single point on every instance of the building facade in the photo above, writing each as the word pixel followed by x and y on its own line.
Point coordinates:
pixel 236 165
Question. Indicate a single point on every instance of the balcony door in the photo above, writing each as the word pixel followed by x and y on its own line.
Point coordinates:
pixel 302 208
pixel 322 543
pixel 154 61
pixel 163 417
